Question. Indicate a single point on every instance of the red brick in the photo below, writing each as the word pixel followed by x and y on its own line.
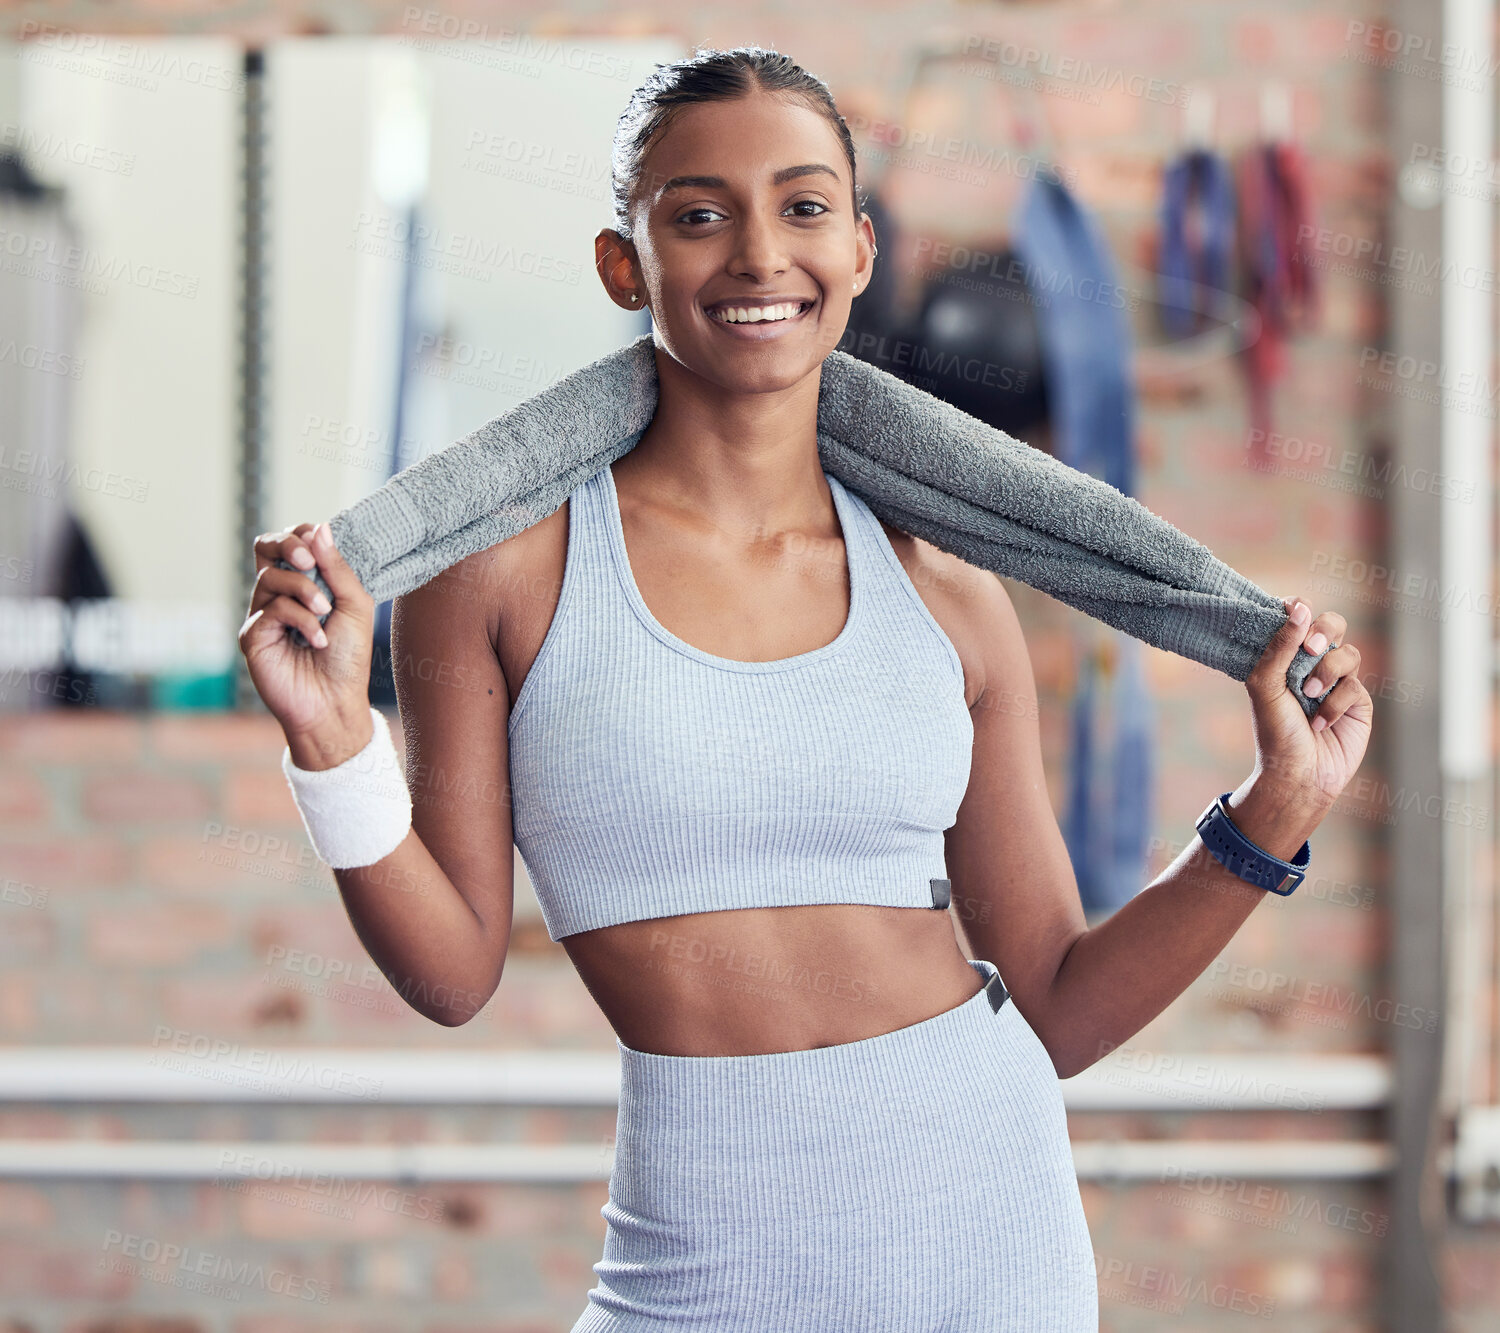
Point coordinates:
pixel 24 1208
pixel 23 799
pixel 27 934
pixel 137 797
pixel 71 862
pixel 373 1016
pixel 1254 42
pixel 280 1323
pixel 320 928
pixel 259 797
pixel 243 1005
pixel 68 736
pixel 453 1277
pixel 18 1007
pixel 225 857
pixel 330 1209
pixel 129 1323
pixel 155 934
pixel 29 1270
pixel 216 738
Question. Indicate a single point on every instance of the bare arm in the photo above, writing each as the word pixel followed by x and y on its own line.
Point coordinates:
pixel 435 915
pixel 1084 990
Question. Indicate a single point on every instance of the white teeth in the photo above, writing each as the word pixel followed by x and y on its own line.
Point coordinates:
pixel 756 314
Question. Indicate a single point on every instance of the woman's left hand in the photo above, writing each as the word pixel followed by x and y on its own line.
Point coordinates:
pixel 1316 755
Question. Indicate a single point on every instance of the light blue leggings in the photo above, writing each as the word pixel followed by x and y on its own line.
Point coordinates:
pixel 920 1181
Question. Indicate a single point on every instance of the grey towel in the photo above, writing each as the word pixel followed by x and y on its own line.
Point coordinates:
pixel 919 463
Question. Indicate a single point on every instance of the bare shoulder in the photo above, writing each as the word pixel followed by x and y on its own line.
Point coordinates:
pixel 499 591
pixel 971 605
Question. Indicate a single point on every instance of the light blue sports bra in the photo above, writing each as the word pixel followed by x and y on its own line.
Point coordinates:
pixel 649 778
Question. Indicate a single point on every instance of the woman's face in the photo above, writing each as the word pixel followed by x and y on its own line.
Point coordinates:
pixel 735 236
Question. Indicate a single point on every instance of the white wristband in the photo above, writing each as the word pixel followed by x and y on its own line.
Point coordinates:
pixel 359 811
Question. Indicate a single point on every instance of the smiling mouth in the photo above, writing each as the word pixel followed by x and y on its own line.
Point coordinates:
pixel 777 314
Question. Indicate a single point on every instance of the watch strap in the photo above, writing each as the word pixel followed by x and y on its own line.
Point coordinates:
pixel 1253 864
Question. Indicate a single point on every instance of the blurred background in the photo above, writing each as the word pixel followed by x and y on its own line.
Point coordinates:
pixel 253 261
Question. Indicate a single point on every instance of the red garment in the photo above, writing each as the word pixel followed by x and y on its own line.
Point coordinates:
pixel 1275 245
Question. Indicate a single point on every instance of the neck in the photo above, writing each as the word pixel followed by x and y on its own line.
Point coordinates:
pixel 741 460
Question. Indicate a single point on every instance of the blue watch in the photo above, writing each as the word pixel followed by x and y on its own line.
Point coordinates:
pixel 1235 852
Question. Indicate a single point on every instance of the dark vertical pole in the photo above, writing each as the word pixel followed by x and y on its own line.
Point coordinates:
pixel 1418 1196
pixel 252 471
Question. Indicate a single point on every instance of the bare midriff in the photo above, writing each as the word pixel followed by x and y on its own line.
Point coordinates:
pixel 752 981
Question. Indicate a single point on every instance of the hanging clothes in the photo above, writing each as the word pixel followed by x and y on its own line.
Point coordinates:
pixel 1086 348
pixel 1084 331
pixel 1280 280
pixel 1197 242
pixel 1112 774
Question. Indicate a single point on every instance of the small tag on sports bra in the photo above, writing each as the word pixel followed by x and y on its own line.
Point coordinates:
pixel 995 989
pixel 941 892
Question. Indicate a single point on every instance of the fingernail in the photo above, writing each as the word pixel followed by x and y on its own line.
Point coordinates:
pixel 320 604
pixel 1299 613
pixel 1312 687
pixel 320 638
pixel 303 557
pixel 1319 723
pixel 320 533
pixel 1317 643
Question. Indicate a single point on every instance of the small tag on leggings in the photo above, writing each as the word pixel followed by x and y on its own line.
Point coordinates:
pixel 941 892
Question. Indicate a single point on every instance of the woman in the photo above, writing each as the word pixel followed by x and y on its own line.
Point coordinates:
pixel 738 728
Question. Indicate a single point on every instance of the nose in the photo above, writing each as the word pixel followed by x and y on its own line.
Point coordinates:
pixel 760 252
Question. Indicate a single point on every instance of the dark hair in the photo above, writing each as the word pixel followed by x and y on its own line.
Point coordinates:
pixel 710 75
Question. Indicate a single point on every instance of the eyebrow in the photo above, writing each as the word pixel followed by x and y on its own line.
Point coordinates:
pixel 783 175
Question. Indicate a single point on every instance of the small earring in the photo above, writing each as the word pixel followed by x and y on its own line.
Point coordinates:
pixel 635 296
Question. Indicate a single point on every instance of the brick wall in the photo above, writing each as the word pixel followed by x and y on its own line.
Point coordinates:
pixel 157 873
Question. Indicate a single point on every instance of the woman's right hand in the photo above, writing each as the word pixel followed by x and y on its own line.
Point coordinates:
pixel 320 695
